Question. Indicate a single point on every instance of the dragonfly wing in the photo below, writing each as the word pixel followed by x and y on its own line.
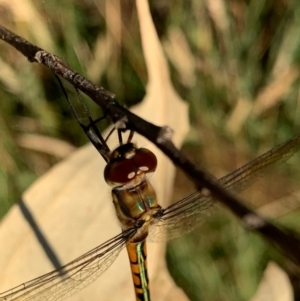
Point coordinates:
pixel 188 213
pixel 72 277
pixel 181 217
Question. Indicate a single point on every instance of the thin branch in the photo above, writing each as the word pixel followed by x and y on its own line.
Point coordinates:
pixel 286 241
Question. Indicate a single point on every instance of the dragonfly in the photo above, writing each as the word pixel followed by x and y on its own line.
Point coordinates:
pixel 140 215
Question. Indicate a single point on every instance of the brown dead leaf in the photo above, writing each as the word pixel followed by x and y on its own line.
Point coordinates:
pixel 72 206
pixel 274 286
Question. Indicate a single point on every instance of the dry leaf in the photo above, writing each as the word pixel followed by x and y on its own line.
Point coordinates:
pixel 275 285
pixel 72 207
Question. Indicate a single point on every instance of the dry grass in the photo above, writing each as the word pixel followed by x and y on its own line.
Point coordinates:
pixel 236 62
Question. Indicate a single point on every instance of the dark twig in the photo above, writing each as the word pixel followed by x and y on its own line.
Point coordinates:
pixel 287 242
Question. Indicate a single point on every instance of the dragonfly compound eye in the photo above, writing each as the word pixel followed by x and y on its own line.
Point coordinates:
pixel 126 162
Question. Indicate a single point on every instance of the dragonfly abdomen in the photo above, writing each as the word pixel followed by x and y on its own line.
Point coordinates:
pixel 137 254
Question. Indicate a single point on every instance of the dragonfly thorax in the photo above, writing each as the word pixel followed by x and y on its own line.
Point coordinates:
pixel 135 203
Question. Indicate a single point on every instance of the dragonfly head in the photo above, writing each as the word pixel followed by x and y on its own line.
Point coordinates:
pixel 127 162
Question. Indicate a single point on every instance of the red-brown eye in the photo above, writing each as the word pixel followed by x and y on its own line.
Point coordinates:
pixel 126 162
pixel 145 160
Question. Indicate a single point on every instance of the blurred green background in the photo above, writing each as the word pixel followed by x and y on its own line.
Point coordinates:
pixel 235 62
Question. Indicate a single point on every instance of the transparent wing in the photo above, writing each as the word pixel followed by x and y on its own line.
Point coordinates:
pixel 72 277
pixel 188 213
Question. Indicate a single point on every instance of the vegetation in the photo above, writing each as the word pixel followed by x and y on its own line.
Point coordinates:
pixel 235 62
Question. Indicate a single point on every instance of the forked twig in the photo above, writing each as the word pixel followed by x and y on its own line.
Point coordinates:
pixel 287 242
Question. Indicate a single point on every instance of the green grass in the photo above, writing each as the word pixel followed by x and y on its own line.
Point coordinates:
pixel 236 65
